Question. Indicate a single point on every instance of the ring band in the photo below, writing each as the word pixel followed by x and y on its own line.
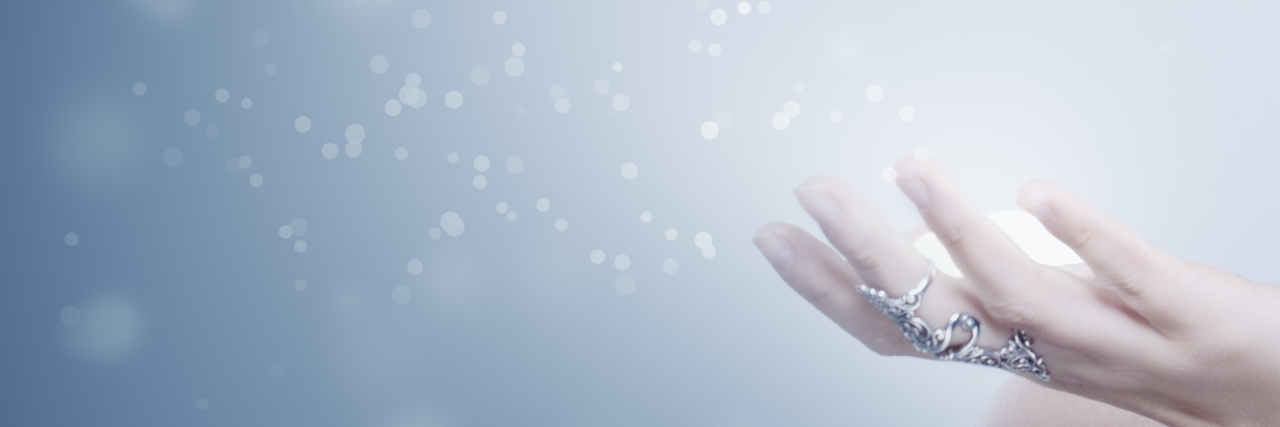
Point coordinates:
pixel 1016 356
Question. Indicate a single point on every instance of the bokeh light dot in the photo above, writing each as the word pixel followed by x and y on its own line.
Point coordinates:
pixel 622 262
pixel 710 130
pixel 744 8
pixel 514 66
pixel 480 75
pixel 353 149
pixel 695 46
pixel 452 157
pixel 302 124
pixel 889 175
pixel 875 93
pixel 617 67
pixel 434 233
pixel 562 224
pixel 246 103
pixel 481 163
pixel 499 17
pixel 299 226
pixel 517 49
pixel 354 133
pixel 255 180
pixel 671 234
pixel 719 16
pixel 630 171
pixel 597 256
pixel 714 49
pixel 221 95
pixel 420 19
pixel 378 64
pixel 402 153
pixel 453 99
pixel 781 121
pixel 709 252
pixel 670 266
pixel 300 285
pixel 764 7
pixel 624 285
pixel 202 404
pixel 837 116
pixel 139 88
pixel 412 80
pixel 645 217
pixel 601 86
pixel 621 102
pixel 702 240
pixel 501 207
pixel 392 107
pixel 452 223
pixel 415 267
pixel 562 105
pixel 906 113
pixel 511 216
pixel 724 119
pixel 792 109
pixel 401 294
pixel 480 181
pixel 300 246
pixel 515 164
pixel 260 38
pixel 191 117
pixel 329 150
pixel 285 232
pixel 543 205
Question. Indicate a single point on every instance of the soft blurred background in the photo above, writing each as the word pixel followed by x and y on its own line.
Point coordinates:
pixel 194 232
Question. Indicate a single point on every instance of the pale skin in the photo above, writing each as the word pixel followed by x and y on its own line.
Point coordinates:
pixel 1135 336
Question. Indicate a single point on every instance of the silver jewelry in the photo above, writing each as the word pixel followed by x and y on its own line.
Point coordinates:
pixel 1016 356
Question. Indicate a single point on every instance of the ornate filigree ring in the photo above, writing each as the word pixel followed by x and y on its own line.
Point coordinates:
pixel 1016 356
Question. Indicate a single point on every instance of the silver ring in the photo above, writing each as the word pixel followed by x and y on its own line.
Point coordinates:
pixel 1016 356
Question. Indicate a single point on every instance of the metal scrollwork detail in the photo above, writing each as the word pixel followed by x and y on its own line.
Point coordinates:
pixel 1016 356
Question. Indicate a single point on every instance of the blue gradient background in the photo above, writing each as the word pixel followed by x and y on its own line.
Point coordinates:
pixel 510 323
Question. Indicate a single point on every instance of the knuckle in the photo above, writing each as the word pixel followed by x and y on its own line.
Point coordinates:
pixel 1012 311
pixel 951 236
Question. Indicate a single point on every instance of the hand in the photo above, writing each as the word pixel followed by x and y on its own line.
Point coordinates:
pixel 1140 329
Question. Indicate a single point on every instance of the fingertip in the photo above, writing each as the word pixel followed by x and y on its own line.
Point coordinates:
pixel 771 240
pixel 1034 197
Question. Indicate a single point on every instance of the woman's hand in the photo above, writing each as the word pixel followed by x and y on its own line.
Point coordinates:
pixel 1140 329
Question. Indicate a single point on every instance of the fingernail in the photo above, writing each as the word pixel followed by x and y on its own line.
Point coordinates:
pixel 1037 207
pixel 775 249
pixel 818 202
pixel 915 190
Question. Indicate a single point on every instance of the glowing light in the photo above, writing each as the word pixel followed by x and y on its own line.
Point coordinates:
pixel 501 207
pixel 401 294
pixel 71 239
pixel 921 154
pixel 670 265
pixel 255 180
pixel 718 17
pixel 621 102
pixel 561 224
pixel 191 117
pixel 514 66
pixel 630 170
pixel 480 75
pixel 285 232
pixel 671 234
pixel 353 149
pixel 434 233
pixel 562 105
pixel 875 93
pixel 597 256
pixel 517 49
pixel 329 150
pixel 625 285
pixel 299 226
pixel 414 267
pixel 515 164
pixel 781 121
pixel 246 103
pixel 202 404
pixel 714 49
pixel 617 67
pixel 452 223
pixel 906 113
pixel 480 181
pixel 744 8
pixel 710 130
pixel 622 262
pixel 837 116
pixel 221 95
pixel 511 216
pixel 421 18
pixel 392 107
pixel 402 153
pixel 645 217
pixel 695 46
pixel 453 99
pixel 543 205
pixel 792 109
pixel 412 80
pixel 302 123
pixel 764 7
pixel 452 157
pixel 300 246
pixel 139 88
pixel 702 240
pixel 601 86
pixel 709 252
pixel 378 64
pixel 354 133
pixel 889 175
pixel 300 285
pixel 499 17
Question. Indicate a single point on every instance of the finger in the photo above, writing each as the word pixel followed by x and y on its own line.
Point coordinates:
pixel 1140 272
pixel 878 252
pixel 824 279
pixel 997 267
